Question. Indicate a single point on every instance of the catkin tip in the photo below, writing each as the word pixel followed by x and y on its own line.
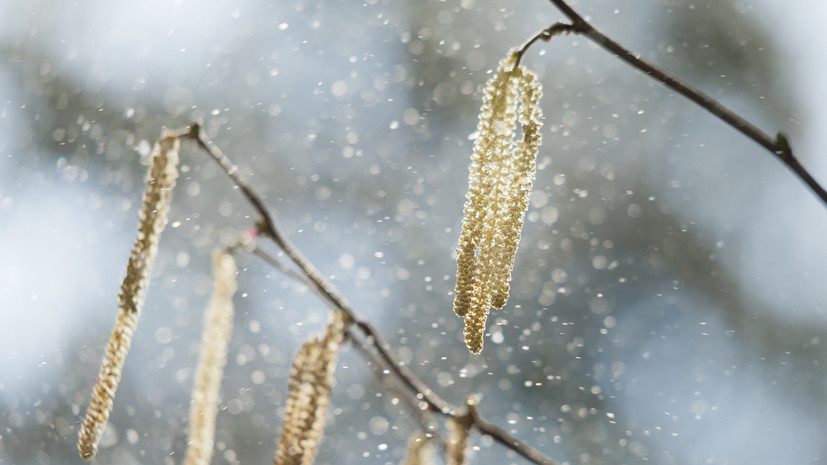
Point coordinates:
pixel 475 330
pixel 87 450
pixel 499 299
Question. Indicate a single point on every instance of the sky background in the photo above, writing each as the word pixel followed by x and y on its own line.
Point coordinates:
pixel 668 302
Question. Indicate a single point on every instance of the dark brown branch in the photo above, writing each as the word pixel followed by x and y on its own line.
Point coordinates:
pixel 196 134
pixel 378 365
pixel 546 35
pixel 471 416
pixel 355 334
pixel 269 228
pixel 504 437
pixel 392 383
pixel 778 145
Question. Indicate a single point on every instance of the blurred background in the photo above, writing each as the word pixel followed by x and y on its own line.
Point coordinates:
pixel 668 301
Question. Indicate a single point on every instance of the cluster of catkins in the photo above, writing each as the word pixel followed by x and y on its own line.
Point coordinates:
pixel 499 185
pixel 311 376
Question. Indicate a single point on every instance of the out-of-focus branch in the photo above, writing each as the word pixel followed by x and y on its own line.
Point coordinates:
pixel 778 145
pixel 370 343
pixel 546 35
pixel 268 228
pixel 277 264
pixel 361 342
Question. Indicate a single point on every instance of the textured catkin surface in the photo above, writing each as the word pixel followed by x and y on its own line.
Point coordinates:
pixel 152 218
pixel 312 377
pixel 499 186
pixel 218 325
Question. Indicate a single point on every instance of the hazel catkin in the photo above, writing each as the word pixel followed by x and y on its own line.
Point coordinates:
pixel 152 218
pixel 499 185
pixel 312 377
pixel 218 325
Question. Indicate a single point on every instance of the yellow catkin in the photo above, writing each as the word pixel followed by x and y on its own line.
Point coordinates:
pixel 419 450
pixel 522 168
pixel 499 185
pixel 152 217
pixel 485 167
pixel 457 442
pixel 312 377
pixel 218 324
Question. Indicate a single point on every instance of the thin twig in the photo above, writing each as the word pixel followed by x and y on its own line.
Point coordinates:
pixel 778 145
pixel 269 228
pixel 546 35
pixel 277 264
pixel 195 133
pixel 504 437
pixel 423 417
pixel 360 341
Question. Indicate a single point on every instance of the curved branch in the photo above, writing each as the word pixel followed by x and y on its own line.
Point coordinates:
pixel 504 437
pixel 269 228
pixel 545 35
pixel 372 340
pixel 778 145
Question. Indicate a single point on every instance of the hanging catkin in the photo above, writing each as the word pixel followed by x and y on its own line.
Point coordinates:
pixel 312 377
pixel 152 217
pixel 499 185
pixel 218 325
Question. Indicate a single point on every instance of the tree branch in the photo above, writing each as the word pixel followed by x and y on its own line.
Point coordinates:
pixel 546 35
pixel 371 339
pixel 778 145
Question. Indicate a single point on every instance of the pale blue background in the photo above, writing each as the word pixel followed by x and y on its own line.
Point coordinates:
pixel 668 304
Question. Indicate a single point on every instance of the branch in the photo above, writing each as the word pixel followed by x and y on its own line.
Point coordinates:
pixel 269 229
pixel 778 146
pixel 546 35
pixel 372 340
pixel 504 437
pixel 277 264
pixel 361 343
